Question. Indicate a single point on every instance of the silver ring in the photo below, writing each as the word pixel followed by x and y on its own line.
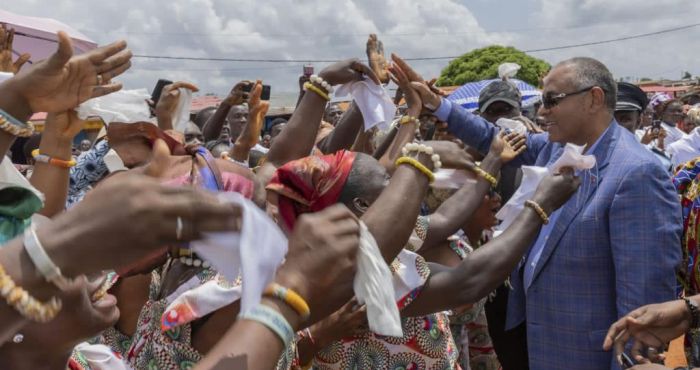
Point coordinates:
pixel 99 79
pixel 178 228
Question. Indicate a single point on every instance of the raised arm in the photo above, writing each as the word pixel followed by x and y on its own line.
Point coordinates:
pixel 166 105
pixel 346 131
pixel 250 135
pixel 212 128
pixel 487 267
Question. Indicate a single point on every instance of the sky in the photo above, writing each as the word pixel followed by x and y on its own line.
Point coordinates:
pixel 334 30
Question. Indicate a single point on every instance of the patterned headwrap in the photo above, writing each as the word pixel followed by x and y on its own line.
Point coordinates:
pixel 659 98
pixel 310 184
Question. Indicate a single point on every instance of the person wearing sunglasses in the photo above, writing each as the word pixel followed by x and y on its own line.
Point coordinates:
pixel 611 248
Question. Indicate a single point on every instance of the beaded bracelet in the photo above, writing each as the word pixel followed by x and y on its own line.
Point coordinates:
pixel 27 306
pixel 538 209
pixel 273 320
pixel 320 81
pixel 289 297
pixel 408 119
pixel 43 158
pixel 15 130
pixel 317 90
pixel 422 148
pixel 419 166
pixel 694 313
pixel 487 176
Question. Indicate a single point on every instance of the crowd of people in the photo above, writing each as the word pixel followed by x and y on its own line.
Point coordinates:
pixel 321 242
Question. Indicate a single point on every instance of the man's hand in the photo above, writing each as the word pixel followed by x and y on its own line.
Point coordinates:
pixel 237 96
pixel 376 58
pixel 6 40
pixel 651 326
pixel 169 98
pixel 63 81
pixel 508 146
pixel 347 71
pixel 415 105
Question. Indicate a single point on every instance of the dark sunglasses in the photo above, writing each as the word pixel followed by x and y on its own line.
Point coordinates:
pixel 551 100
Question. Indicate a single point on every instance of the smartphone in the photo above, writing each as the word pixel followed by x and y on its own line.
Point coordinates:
pixel 265 95
pixel 656 126
pixel 155 96
pixel 626 361
pixel 308 70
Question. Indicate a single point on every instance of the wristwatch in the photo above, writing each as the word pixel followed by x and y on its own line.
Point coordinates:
pixel 694 313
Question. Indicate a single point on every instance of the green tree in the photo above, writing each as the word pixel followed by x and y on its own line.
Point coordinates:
pixel 482 64
pixel 687 75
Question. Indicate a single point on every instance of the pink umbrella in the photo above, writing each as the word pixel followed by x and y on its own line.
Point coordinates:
pixel 37 36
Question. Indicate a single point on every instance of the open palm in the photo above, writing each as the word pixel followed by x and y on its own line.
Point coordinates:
pixel 63 81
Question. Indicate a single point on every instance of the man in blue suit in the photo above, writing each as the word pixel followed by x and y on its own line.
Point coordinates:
pixel 612 248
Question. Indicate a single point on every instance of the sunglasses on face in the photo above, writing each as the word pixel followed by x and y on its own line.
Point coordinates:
pixel 551 100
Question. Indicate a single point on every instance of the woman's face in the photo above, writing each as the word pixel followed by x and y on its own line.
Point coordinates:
pixel 673 114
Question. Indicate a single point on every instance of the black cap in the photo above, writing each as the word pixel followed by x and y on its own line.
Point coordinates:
pixel 499 91
pixel 630 97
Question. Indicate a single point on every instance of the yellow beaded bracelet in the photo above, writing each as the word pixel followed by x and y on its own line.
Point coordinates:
pixel 43 158
pixel 538 209
pixel 290 297
pixel 317 90
pixel 408 119
pixel 487 176
pixel 28 306
pixel 14 130
pixel 419 166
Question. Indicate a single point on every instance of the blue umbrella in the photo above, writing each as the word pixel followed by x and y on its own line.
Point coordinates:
pixel 468 95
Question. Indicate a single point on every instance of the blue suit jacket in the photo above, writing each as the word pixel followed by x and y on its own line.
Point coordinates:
pixel 615 247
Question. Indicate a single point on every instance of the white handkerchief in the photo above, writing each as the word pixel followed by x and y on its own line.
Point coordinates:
pixel 101 357
pixel 573 157
pixel 375 104
pixel 255 253
pixel 511 125
pixel 448 178
pixel 373 287
pixel 182 112
pixel 122 106
pixel 532 175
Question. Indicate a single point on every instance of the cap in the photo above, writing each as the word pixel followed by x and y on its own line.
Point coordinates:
pixel 630 97
pixel 499 91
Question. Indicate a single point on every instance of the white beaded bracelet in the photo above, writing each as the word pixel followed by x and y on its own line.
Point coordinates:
pixel 43 263
pixel 320 81
pixel 422 148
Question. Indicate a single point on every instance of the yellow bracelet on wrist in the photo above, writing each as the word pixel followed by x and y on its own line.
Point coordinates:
pixel 43 158
pixel 289 297
pixel 317 90
pixel 487 176
pixel 538 209
pixel 419 166
pixel 408 119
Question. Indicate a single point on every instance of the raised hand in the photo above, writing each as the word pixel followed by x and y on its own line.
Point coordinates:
pixel 376 58
pixel 554 190
pixel 237 95
pixel 508 146
pixel 169 98
pixel 347 71
pixel 452 155
pixel 650 326
pixel 63 81
pixel 413 100
pixel 6 39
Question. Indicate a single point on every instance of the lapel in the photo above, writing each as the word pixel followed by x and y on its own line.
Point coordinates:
pixel 588 187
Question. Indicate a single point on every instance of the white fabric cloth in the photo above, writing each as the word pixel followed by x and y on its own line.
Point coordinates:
pixel 447 178
pixel 511 125
pixel 673 134
pixel 100 357
pixel 5 76
pixel 10 177
pixel 197 301
pixel 121 106
pixel 182 113
pixel 532 175
pixel 255 253
pixel 375 104
pixel 373 287
pixel 685 149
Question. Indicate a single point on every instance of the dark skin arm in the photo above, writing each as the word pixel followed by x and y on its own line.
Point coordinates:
pixel 345 132
pixel 212 129
pixel 384 146
pixel 487 267
pixel 363 142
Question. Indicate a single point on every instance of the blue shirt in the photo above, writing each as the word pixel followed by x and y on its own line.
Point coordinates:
pixel 543 237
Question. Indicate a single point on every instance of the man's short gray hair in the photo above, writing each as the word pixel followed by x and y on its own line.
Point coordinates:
pixel 589 72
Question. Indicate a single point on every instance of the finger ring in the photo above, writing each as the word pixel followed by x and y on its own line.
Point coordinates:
pixel 178 228
pixel 99 79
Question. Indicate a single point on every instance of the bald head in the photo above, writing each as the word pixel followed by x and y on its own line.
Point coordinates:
pixel 366 181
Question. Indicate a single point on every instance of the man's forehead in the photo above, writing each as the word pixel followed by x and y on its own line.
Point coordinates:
pixel 558 79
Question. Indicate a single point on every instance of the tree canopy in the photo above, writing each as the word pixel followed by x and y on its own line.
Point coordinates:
pixel 482 64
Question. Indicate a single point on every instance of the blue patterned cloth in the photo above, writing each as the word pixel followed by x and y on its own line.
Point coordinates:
pixel 614 247
pixel 90 169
